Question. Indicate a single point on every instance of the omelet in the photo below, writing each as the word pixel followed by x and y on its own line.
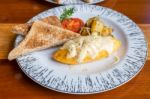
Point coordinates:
pixel 86 49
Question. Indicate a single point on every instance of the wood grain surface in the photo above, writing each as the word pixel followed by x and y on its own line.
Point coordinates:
pixel 19 11
pixel 15 85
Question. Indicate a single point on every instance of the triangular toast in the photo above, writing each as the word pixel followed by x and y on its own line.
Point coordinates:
pixel 42 36
pixel 24 28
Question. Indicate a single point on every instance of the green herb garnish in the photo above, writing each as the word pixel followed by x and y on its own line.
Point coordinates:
pixel 67 13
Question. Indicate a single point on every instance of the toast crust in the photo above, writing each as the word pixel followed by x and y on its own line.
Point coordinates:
pixel 42 36
pixel 23 29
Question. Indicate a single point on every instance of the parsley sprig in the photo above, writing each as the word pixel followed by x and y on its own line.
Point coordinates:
pixel 67 13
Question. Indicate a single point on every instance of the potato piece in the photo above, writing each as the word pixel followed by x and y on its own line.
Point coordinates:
pixel 106 31
pixel 97 26
pixel 85 31
pixel 89 21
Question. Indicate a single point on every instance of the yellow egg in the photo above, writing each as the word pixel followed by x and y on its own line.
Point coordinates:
pixel 61 55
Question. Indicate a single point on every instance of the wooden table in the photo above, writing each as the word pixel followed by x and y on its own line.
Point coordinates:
pixel 14 84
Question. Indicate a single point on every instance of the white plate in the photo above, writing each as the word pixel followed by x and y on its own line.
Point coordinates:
pixel 94 77
pixel 66 2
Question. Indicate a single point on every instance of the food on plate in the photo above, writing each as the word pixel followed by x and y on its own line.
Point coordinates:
pixel 85 31
pixel 107 31
pixel 95 42
pixel 67 13
pixel 23 29
pixel 88 1
pixel 58 1
pixel 53 20
pixel 73 24
pixel 95 26
pixel 86 49
pixel 41 36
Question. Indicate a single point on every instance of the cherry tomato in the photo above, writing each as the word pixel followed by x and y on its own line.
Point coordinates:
pixel 73 24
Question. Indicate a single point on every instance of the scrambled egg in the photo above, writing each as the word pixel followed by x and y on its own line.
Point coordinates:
pixel 86 49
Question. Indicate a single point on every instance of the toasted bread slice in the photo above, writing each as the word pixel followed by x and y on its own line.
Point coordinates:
pixel 23 29
pixel 41 36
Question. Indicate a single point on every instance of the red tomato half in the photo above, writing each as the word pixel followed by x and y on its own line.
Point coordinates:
pixel 73 24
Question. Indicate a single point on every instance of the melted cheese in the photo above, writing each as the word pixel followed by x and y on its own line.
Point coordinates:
pixel 88 46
